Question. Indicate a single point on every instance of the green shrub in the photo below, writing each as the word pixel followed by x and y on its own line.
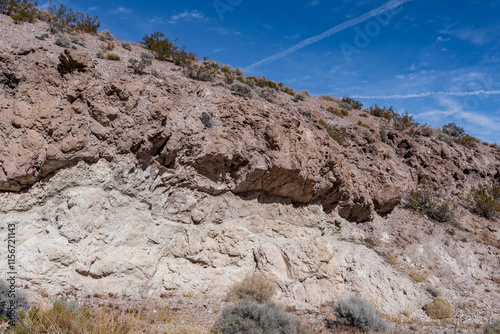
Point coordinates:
pixel 204 71
pixel 111 55
pixel 345 106
pixel 255 287
pixel 8 295
pixel 267 94
pixel 404 122
pixel 439 308
pixel 162 48
pixel 127 46
pixel 467 140
pixel 239 72
pixel 451 129
pixel 182 58
pixel 61 18
pixel 289 91
pixel 387 113
pixel 352 102
pixel 427 200
pixel 338 112
pixel 63 40
pixel 492 328
pixel 337 134
pixel 485 200
pixel 20 10
pixel 241 89
pixel 248 316
pixel 360 314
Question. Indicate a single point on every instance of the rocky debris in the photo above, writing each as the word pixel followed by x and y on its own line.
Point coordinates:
pixel 71 60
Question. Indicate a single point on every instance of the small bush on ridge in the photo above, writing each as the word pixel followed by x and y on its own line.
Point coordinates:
pixel 248 316
pixel 352 102
pixel 139 66
pixel 267 94
pixel 426 199
pixel 404 122
pixel 127 46
pixel 453 130
pixel 205 71
pixel 338 112
pixel 337 134
pixel 301 96
pixel 387 113
pixel 358 313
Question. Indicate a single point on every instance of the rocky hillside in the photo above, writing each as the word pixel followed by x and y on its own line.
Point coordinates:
pixel 125 183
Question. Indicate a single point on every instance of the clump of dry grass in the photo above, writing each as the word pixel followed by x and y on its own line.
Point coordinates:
pixel 111 55
pixel 255 287
pixel 439 308
pixel 419 275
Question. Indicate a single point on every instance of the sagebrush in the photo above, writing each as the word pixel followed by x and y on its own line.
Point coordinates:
pixel 358 313
pixel 255 287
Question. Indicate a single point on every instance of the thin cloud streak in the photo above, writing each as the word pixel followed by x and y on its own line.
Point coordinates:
pixel 388 6
pixel 426 94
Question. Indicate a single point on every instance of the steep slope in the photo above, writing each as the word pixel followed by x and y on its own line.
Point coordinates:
pixel 129 183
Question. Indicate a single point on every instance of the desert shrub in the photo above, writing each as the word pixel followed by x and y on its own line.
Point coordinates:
pixel 241 89
pixel 155 73
pixel 239 72
pixel 111 55
pixel 61 18
pixel 387 113
pixel 427 199
pixel 439 308
pixel 492 328
pixel 204 71
pixel 248 316
pixel 338 112
pixel 428 130
pixel 88 24
pixel 327 97
pixel 345 106
pixel 267 94
pixel 108 46
pixel 77 40
pixel 485 200
pixel 162 48
pixel 6 296
pixel 467 140
pixel 182 58
pixel 352 102
pixel 358 313
pixel 301 96
pixel 451 129
pixel 139 66
pixel 363 124
pixel 63 40
pixel 229 74
pixel 337 134
pixel 255 287
pixel 105 36
pixel 383 135
pixel 363 114
pixel 100 54
pixel 404 122
pixel 20 10
pixel 126 46
pixel 289 91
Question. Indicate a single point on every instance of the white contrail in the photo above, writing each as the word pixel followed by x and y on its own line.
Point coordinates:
pixel 426 94
pixel 388 6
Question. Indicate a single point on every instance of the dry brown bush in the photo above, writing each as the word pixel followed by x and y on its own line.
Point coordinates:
pixel 255 287
pixel 439 308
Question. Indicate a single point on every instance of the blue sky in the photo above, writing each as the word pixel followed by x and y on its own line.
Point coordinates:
pixel 438 60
